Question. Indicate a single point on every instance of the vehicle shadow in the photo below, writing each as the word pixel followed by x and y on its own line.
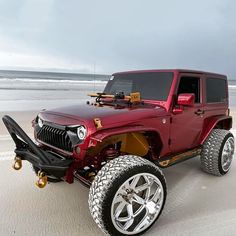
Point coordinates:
pixel 192 201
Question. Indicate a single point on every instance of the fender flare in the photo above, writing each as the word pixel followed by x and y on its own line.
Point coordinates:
pixel 99 136
pixel 209 124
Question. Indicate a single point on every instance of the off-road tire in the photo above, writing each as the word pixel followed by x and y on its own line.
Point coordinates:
pixel 107 182
pixel 212 151
pixel 51 179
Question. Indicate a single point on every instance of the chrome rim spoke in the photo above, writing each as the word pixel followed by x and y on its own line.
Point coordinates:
pixel 139 210
pixel 156 196
pixel 138 199
pixel 144 222
pixel 128 223
pixel 130 210
pixel 126 185
pixel 148 181
pixel 123 219
pixel 141 188
pixel 134 182
pixel 130 217
pixel 119 199
pixel 148 193
pixel 119 209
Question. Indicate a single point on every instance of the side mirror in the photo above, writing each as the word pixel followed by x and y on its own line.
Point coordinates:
pixel 186 99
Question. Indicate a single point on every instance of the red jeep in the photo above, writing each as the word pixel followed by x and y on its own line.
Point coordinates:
pixel 117 145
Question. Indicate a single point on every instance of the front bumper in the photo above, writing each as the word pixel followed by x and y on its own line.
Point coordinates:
pixel 49 162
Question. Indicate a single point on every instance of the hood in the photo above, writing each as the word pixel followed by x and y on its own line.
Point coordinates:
pixel 109 115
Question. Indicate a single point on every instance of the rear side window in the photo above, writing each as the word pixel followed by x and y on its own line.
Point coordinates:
pixel 216 90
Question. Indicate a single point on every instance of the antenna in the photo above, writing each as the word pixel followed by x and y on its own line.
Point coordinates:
pixel 94 76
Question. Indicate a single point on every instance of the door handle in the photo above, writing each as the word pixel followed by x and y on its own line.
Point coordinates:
pixel 199 112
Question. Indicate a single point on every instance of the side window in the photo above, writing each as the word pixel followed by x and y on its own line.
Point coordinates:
pixel 190 85
pixel 215 90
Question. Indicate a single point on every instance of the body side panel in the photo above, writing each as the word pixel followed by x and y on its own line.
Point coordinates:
pixel 211 122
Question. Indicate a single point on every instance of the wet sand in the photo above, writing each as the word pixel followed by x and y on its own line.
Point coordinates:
pixel 24 118
pixel 197 203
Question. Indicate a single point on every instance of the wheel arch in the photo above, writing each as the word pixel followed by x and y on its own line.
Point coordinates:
pixel 148 139
pixel 219 122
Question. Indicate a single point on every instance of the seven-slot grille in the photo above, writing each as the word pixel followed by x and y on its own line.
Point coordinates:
pixel 55 137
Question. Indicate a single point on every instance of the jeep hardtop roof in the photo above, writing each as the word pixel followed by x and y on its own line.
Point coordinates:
pixel 173 71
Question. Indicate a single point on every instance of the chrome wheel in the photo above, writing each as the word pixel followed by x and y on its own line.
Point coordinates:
pixel 137 203
pixel 227 154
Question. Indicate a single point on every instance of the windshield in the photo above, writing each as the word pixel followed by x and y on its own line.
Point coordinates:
pixel 151 85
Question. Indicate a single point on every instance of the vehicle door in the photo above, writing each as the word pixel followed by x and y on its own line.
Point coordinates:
pixel 186 126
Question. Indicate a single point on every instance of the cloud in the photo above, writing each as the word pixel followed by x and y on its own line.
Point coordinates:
pixel 19 60
pixel 15 55
pixel 120 35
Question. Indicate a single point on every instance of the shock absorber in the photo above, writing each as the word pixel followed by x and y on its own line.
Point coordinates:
pixel 111 153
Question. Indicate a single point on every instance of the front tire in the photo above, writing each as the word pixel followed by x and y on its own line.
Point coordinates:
pixel 127 196
pixel 217 153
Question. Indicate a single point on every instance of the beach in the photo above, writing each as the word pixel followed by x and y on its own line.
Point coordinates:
pixel 197 203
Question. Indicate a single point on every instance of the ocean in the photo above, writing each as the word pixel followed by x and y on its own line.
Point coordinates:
pixel 37 91
pixel 30 94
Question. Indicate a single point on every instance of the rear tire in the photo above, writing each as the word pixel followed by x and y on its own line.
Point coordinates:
pixel 127 196
pixel 217 153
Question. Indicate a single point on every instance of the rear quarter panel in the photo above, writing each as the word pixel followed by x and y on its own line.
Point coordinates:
pixel 214 112
pixel 214 109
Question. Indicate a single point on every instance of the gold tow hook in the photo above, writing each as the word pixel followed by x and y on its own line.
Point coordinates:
pixel 43 180
pixel 17 165
pixel 91 176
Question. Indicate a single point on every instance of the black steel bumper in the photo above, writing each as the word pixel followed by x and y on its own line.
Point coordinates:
pixel 49 162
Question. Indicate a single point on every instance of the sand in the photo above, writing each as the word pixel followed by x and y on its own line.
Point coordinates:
pixel 197 203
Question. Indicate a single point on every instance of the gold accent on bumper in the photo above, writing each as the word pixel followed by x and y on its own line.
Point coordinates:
pixel 91 176
pixel 42 181
pixel 98 123
pixel 17 165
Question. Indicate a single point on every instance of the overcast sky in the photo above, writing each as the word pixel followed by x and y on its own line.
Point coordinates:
pixel 118 35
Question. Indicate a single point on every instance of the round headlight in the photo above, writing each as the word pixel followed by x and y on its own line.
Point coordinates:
pixel 81 132
pixel 40 122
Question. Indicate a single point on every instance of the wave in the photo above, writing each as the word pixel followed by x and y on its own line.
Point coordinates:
pixel 92 80
pixel 53 80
